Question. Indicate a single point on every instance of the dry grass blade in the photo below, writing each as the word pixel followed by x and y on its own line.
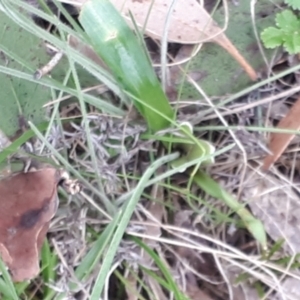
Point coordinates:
pixel 243 290
pixel 291 290
pixel 276 204
pixel 182 219
pixel 130 287
pixel 155 213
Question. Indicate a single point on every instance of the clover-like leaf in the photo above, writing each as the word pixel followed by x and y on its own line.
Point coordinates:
pixel 287 21
pixel 292 43
pixel 272 37
pixel 287 33
pixel 295 4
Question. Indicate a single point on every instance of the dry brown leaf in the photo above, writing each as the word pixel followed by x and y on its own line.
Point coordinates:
pixel 243 290
pixel 156 211
pixel 290 289
pixel 192 289
pixel 130 287
pixel 200 263
pixel 279 141
pixel 189 23
pixel 28 201
pixel 275 203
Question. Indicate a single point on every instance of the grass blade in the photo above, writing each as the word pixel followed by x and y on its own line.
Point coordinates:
pixel 117 45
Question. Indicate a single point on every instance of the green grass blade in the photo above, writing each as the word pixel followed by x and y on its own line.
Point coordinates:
pixel 171 284
pixel 49 261
pixel 128 209
pixel 117 45
pixel 212 188
pixel 7 286
pixel 92 258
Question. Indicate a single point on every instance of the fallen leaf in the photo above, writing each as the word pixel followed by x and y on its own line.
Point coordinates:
pixel 28 201
pixel 219 75
pixel 274 201
pixel 130 287
pixel 155 213
pixel 189 23
pixel 193 291
pixel 280 141
pixel 200 263
pixel 243 290
pixel 290 288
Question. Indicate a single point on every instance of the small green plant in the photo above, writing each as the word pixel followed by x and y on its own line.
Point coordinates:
pixel 287 32
pixel 294 4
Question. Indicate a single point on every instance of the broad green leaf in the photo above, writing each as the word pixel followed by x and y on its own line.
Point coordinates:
pixel 119 48
pixel 295 4
pixel 21 98
pixel 272 37
pixel 22 51
pixel 292 42
pixel 287 21
pixel 288 33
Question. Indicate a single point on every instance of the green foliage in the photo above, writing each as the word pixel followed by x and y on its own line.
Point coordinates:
pixel 167 279
pixel 118 47
pixel 214 65
pixel 49 261
pixel 20 51
pixel 295 4
pixel 287 33
pixel 21 54
pixel 7 289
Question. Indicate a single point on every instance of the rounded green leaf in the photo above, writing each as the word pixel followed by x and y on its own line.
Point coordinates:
pixel 294 4
pixel 287 21
pixel 292 43
pixel 272 37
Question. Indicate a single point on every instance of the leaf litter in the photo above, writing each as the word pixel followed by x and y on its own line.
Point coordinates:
pixel 211 233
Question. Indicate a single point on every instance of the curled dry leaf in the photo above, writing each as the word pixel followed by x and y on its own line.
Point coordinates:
pixel 189 23
pixel 28 201
pixel 279 141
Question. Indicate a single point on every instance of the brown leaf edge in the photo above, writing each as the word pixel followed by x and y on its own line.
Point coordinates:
pixel 280 141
